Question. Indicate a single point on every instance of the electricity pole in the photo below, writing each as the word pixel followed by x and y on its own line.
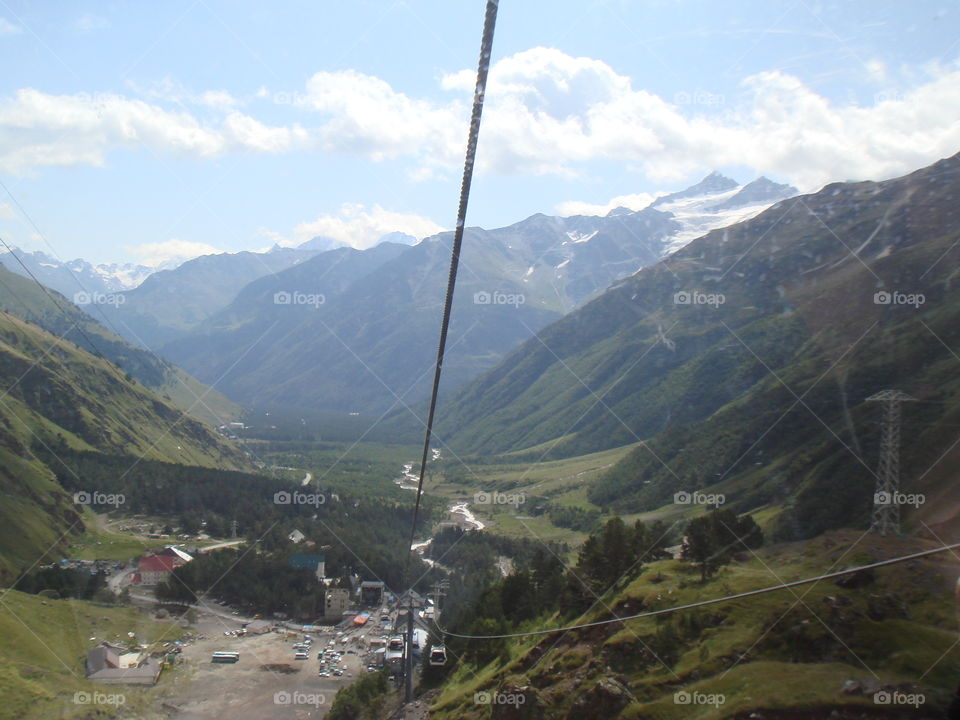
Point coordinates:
pixel 886 506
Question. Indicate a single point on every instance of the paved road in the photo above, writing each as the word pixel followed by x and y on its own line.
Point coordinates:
pixel 209 607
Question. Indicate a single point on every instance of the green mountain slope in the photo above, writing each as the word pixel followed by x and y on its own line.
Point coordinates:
pixel 370 345
pixel 55 396
pixel 170 302
pixel 817 651
pixel 22 297
pixel 744 362
pixel 45 644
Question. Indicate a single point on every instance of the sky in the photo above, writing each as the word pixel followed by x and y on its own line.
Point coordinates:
pixel 145 132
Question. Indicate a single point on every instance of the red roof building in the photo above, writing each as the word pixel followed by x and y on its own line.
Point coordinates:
pixel 155 568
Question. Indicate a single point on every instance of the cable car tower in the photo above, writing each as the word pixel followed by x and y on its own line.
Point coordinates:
pixel 886 507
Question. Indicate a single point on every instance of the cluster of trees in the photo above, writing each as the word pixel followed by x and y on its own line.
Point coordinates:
pixel 361 700
pixel 347 526
pixel 711 540
pixel 66 583
pixel 571 517
pixel 608 559
pixel 261 582
pixel 619 552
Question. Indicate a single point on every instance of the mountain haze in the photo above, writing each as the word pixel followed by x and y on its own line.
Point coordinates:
pixel 370 344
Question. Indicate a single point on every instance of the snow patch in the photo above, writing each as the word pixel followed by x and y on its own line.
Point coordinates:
pixel 580 237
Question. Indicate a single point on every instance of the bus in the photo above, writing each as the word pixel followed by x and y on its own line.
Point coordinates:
pixel 225 656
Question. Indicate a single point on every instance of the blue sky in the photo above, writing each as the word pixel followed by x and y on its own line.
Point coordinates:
pixel 144 131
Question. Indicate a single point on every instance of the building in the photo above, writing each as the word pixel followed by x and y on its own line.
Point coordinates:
pixel 337 602
pixel 155 568
pixel 117 665
pixel 296 537
pixel 317 563
pixel 371 592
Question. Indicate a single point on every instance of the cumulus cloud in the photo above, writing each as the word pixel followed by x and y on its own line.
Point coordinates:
pixel 361 227
pixel 170 252
pixel 547 113
pixel 88 23
pixel 8 28
pixel 38 129
pixel 636 201
pixel 366 115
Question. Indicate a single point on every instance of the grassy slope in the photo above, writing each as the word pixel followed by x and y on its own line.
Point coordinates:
pixel 21 297
pixel 44 649
pixel 780 650
pixel 57 395
pixel 523 474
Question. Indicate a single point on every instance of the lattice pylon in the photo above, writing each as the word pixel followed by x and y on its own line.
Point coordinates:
pixel 886 507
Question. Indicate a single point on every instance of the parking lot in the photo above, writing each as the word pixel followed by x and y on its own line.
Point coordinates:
pixel 267 681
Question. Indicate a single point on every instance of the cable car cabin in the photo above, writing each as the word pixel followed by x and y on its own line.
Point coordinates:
pixel 438 655
pixel 224 656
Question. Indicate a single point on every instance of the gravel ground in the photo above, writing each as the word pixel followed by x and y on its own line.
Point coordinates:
pixel 266 683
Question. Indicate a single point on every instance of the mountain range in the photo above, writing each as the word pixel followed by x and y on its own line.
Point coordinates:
pixel 744 363
pixel 368 345
pixel 76 275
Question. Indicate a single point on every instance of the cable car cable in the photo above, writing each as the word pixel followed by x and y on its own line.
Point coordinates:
pixel 486 46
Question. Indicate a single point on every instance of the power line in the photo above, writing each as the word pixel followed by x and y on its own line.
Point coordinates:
pixel 711 601
pixel 486 46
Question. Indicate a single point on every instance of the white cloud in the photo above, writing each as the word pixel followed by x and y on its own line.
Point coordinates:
pixel 38 129
pixel 6 212
pixel 172 251
pixel 88 23
pixel 546 113
pixel 361 227
pixel 217 99
pixel 550 113
pixel 637 201
pixel 368 117
pixel 8 28
pixel 246 132
pixel 877 70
